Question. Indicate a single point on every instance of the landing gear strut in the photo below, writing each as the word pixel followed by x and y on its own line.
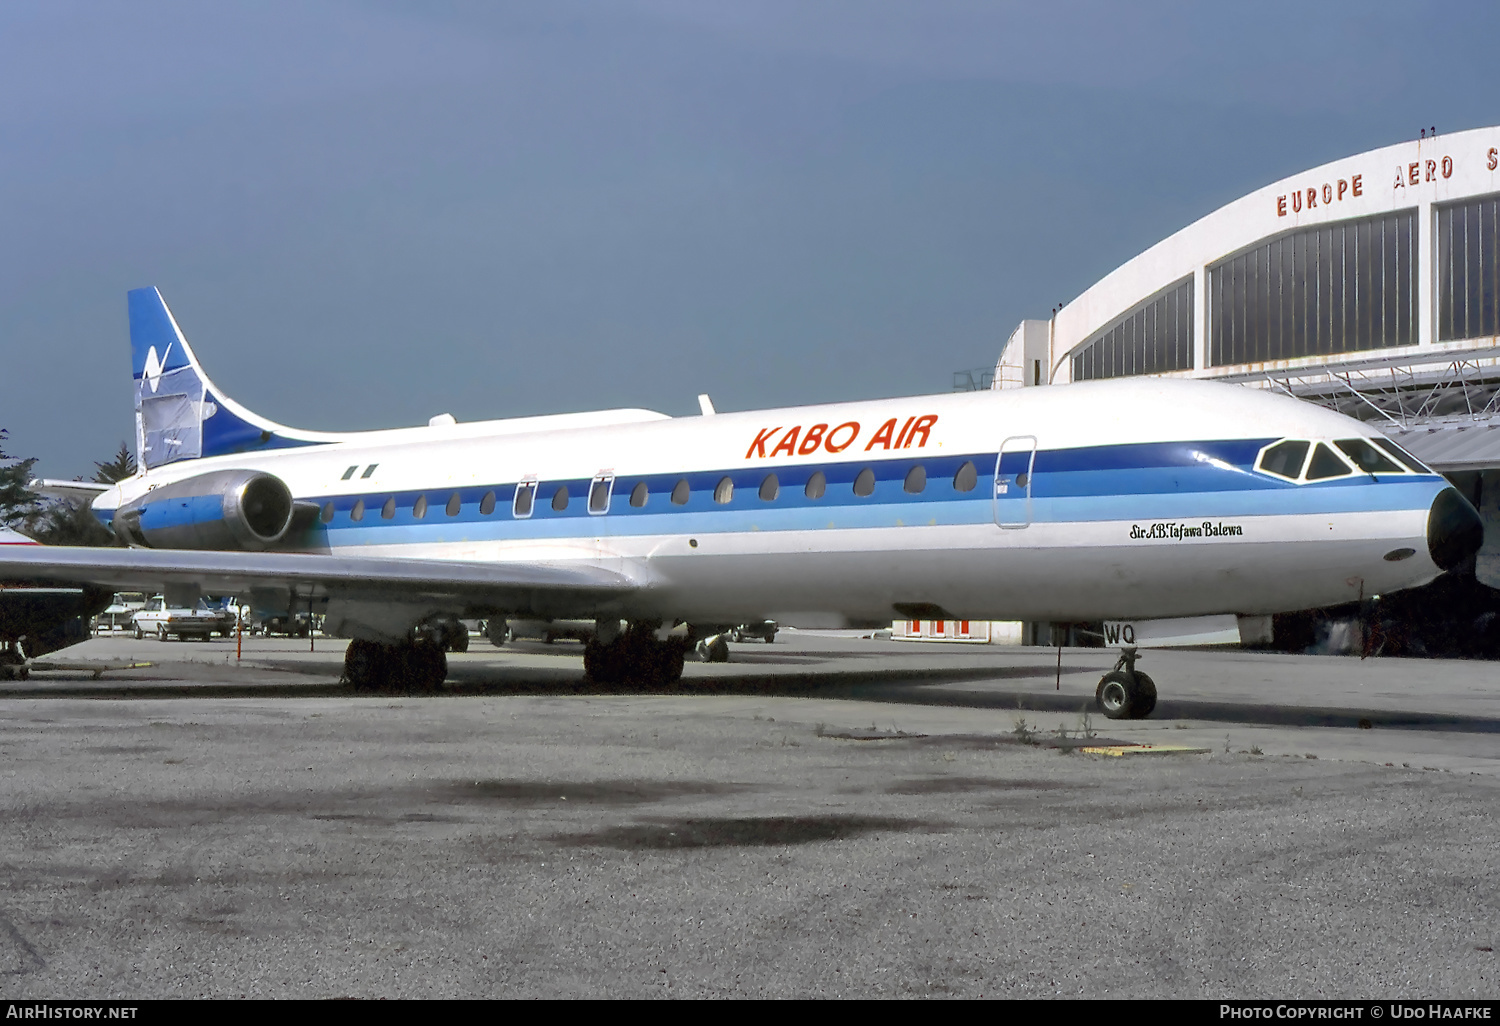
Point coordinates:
pixel 409 666
pixel 1126 693
pixel 13 662
pixel 634 656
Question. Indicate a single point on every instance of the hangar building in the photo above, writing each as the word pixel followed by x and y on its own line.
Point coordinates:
pixel 1370 285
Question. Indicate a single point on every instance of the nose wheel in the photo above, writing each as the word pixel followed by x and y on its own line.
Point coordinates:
pixel 1126 693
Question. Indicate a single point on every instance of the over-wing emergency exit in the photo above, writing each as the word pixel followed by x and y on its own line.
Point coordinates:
pixel 1138 498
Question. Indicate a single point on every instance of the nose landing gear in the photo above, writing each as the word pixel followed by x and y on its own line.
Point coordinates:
pixel 1126 693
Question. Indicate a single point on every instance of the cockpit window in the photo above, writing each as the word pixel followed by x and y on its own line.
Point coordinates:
pixel 1402 455
pixel 1368 458
pixel 1325 464
pixel 1285 459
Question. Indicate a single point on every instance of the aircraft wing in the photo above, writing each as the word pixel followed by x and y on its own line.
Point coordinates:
pixel 549 588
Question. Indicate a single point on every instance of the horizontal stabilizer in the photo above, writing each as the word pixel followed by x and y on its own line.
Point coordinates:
pixel 81 491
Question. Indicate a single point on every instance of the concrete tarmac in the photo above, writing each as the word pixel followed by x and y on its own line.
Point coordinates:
pixel 819 817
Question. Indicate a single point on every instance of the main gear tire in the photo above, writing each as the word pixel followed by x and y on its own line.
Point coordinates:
pixel 367 665
pixel 1145 699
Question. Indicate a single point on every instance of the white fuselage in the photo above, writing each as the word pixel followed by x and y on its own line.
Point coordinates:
pixel 1129 499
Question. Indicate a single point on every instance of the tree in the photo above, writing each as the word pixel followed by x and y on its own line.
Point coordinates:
pixel 17 503
pixel 50 521
pixel 117 469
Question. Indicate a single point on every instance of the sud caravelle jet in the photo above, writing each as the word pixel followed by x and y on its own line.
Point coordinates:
pixel 1125 499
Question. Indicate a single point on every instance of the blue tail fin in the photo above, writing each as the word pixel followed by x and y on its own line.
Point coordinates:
pixel 179 413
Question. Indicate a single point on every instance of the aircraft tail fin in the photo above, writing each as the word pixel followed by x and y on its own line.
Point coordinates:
pixel 179 413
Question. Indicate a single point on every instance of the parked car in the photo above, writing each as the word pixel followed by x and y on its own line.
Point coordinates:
pixel 163 620
pixel 549 631
pixel 120 615
pixel 298 625
pixel 764 629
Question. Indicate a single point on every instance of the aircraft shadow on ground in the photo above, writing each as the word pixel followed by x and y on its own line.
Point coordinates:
pixel 897 686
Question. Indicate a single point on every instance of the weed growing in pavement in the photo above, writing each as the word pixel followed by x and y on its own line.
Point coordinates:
pixel 1023 732
pixel 1086 724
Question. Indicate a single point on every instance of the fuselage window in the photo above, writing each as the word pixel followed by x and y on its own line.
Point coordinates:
pixel 864 484
pixel 389 509
pixel 560 498
pixel 525 493
pixel 487 504
pixel 1401 454
pixel 327 514
pixel 599 494
pixel 1285 459
pixel 358 512
pixel 816 485
pixel 1368 458
pixel 369 470
pixel 681 492
pixel 350 472
pixel 455 503
pixel 1325 464
pixel 638 495
pixel 916 480
pixel 966 478
pixel 724 490
pixel 770 488
pixel 419 508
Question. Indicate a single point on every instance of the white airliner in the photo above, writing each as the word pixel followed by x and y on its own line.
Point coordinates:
pixel 1136 498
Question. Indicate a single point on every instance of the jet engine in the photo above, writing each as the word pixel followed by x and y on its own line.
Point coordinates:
pixel 225 510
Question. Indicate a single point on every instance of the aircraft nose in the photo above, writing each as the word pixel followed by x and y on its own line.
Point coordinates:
pixel 1454 529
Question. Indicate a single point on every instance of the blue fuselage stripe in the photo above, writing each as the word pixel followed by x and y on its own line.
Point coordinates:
pixel 1183 481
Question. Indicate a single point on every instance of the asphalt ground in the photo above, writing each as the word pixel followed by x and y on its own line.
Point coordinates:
pixel 818 817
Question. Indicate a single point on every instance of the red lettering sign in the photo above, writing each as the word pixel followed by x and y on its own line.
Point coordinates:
pixel 1280 206
pixel 1431 168
pixel 834 446
pixel 1357 185
pixel 884 435
pixel 1343 188
pixel 812 438
pixel 901 438
pixel 788 443
pixel 1411 173
pixel 758 447
pixel 1494 156
pixel 922 426
pixel 1447 167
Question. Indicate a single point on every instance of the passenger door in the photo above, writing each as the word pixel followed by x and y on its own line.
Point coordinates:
pixel 1013 474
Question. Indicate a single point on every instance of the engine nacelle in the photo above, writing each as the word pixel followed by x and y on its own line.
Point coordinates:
pixel 225 510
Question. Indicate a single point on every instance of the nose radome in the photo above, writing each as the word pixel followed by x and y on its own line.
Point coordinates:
pixel 1454 529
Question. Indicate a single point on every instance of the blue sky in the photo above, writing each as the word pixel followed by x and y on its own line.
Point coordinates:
pixel 364 214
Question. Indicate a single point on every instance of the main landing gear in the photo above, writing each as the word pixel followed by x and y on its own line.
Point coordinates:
pixel 13 662
pixel 1126 693
pixel 634 656
pixel 417 665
